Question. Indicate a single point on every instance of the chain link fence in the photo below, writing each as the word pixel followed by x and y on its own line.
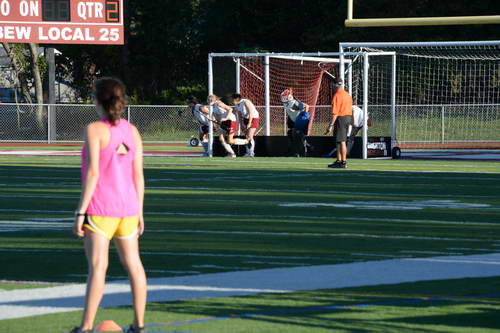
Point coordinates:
pixel 66 122
pixel 175 123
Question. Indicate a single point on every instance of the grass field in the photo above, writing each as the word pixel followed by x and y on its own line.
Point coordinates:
pixel 218 215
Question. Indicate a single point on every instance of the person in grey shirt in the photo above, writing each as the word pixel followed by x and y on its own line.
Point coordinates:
pixel 293 108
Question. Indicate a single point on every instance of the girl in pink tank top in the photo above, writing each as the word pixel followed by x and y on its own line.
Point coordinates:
pixel 115 194
pixel 111 203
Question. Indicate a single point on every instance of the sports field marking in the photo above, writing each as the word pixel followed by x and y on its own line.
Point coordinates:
pixel 220 267
pixel 41 185
pixel 22 303
pixel 42 283
pixel 305 234
pixel 254 190
pixel 324 162
pixel 393 256
pixel 219 255
pixel 394 205
pixel 496 262
pixel 278 263
pixel 161 253
pixel 108 277
pixel 468 249
pixel 288 217
pixel 431 252
pixel 413 175
pixel 372 205
pixel 262 190
pixel 12 227
pixel 171 271
pixel 16 226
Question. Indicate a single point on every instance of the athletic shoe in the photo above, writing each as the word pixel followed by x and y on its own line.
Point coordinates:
pixel 231 155
pixel 249 155
pixel 133 329
pixel 79 330
pixel 335 165
pixel 343 165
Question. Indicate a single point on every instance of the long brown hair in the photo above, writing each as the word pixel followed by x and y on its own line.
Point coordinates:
pixel 110 94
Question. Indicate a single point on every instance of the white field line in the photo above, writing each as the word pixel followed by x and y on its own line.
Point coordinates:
pixel 288 217
pixel 171 271
pixel 379 255
pixel 26 303
pixel 16 282
pixel 484 262
pixel 223 267
pixel 467 249
pixel 108 277
pixel 324 162
pixel 306 234
pixel 23 225
pixel 14 226
pixel 256 190
pixel 370 205
pixel 430 252
pixel 224 175
pixel 163 253
pixel 277 263
pixel 261 190
pixel 38 177
pixel 394 205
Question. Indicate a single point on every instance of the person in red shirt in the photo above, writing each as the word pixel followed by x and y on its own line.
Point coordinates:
pixel 341 120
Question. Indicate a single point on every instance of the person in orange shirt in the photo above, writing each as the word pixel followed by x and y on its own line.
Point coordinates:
pixel 341 120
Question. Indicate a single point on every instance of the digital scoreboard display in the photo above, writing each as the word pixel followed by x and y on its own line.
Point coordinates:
pixel 61 21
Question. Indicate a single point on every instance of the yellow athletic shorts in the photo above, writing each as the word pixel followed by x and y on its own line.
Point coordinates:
pixel 110 227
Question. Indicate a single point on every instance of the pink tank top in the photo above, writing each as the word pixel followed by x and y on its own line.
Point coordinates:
pixel 115 194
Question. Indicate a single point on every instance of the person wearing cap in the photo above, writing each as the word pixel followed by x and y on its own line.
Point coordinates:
pixel 341 120
pixel 293 108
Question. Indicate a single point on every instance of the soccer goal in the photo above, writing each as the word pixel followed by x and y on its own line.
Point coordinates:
pixel 261 77
pixel 447 93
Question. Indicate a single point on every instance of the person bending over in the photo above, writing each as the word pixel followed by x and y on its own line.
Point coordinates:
pixel 201 114
pixel 228 124
pixel 250 116
pixel 293 108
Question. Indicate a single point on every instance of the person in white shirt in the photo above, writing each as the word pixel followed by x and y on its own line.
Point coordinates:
pixel 228 124
pixel 201 114
pixel 248 112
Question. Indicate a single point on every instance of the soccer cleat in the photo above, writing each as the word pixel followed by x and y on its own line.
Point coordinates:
pixel 133 329
pixel 79 330
pixel 343 165
pixel 335 165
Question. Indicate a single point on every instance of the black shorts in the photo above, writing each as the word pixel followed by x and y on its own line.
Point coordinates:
pixel 341 127
pixel 204 129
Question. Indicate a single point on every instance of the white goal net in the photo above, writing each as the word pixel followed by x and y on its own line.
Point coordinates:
pixel 447 93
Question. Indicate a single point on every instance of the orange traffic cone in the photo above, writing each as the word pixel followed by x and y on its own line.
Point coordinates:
pixel 108 326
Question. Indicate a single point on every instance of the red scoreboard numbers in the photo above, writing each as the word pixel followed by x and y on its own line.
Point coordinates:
pixel 61 21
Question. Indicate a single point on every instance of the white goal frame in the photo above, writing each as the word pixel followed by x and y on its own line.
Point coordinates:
pixel 393 46
pixel 342 58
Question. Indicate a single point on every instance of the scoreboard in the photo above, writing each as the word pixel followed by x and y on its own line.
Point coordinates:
pixel 61 21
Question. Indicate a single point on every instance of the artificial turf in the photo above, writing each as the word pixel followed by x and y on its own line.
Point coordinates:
pixel 217 215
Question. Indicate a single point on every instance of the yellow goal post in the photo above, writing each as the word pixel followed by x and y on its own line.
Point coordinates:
pixel 415 21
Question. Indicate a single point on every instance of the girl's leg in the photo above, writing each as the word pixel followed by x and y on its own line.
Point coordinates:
pixel 226 146
pixel 128 249
pixel 96 250
pixel 251 142
pixel 230 139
